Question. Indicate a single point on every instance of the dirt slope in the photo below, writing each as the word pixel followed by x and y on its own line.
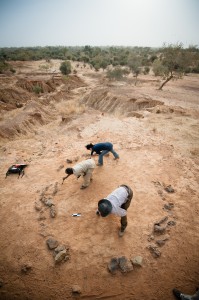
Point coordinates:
pixel 158 147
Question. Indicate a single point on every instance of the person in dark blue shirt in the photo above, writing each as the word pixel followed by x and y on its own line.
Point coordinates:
pixel 101 149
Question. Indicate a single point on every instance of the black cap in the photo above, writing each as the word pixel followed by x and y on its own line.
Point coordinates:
pixel 104 207
pixel 89 146
pixel 69 171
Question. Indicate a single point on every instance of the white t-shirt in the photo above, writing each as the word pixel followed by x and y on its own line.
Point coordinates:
pixel 117 198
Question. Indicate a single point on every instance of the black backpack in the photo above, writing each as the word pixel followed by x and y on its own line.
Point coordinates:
pixel 16 169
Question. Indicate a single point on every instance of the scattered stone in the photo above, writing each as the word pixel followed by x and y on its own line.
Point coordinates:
pixel 69 161
pixel 53 212
pixel 137 261
pixel 26 268
pixel 52 243
pixel 125 264
pixel 162 221
pixel 76 289
pixel 48 202
pixel 55 189
pixel 169 189
pixel 154 251
pixel 60 167
pixel 60 256
pixel 171 223
pixel 41 217
pixel 160 243
pixel 150 238
pixel 60 248
pixel 113 265
pixel 169 206
pixel 19 105
pixel 38 206
pixel 159 229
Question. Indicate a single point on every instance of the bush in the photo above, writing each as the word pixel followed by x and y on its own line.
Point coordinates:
pixel 117 73
pixel 37 89
pixel 65 68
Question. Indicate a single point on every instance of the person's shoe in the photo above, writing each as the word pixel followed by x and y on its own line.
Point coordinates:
pixel 177 293
pixel 120 233
pixel 99 164
pixel 116 158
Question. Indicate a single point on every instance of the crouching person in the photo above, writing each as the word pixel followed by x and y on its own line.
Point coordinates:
pixel 117 203
pixel 84 169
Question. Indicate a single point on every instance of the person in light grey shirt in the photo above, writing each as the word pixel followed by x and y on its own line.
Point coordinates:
pixel 116 203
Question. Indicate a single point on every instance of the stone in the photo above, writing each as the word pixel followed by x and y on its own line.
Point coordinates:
pixel 163 220
pixel 169 189
pixel 60 248
pixel 52 243
pixel 38 206
pixel 159 229
pixel 169 206
pixel 137 261
pixel 154 251
pixel 26 268
pixel 125 264
pixel 69 161
pixel 53 212
pixel 60 256
pixel 171 223
pixel 113 265
pixel 76 289
pixel 49 202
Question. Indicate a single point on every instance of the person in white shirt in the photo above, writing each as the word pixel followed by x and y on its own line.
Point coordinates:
pixel 84 169
pixel 117 203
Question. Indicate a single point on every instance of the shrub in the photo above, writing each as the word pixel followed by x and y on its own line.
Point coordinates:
pixel 37 89
pixel 65 68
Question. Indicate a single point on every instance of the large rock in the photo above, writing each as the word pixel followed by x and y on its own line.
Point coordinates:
pixel 52 243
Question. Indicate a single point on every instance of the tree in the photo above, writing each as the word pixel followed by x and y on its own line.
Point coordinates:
pixel 117 73
pixel 134 64
pixel 65 67
pixel 172 63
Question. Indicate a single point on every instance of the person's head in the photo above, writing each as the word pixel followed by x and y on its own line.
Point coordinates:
pixel 69 171
pixel 89 146
pixel 104 207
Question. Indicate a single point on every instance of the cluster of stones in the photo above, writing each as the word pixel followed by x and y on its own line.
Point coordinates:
pixel 160 229
pixel 123 264
pixel 60 252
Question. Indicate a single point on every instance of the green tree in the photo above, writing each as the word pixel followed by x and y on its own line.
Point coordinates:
pixel 173 63
pixel 117 73
pixel 134 64
pixel 65 67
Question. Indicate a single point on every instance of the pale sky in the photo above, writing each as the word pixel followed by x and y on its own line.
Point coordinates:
pixel 145 23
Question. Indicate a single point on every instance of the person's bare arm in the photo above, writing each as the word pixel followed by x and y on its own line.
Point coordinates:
pixel 65 178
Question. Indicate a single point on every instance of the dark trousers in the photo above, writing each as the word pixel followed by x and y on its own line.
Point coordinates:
pixel 126 206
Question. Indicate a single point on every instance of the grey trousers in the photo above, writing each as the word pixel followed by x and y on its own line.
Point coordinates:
pixel 126 206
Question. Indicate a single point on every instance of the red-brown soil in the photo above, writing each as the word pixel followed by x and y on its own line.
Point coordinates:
pixel 156 134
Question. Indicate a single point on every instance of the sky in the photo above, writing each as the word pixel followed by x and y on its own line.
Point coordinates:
pixel 144 23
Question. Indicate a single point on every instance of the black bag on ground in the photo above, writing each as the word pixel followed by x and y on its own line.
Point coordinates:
pixel 16 169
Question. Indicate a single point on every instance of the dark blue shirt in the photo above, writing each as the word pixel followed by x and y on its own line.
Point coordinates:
pixel 101 146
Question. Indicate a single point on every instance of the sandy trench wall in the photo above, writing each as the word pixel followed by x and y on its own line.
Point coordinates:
pixel 106 101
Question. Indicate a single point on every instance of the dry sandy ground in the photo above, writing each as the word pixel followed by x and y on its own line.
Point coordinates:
pixel 156 150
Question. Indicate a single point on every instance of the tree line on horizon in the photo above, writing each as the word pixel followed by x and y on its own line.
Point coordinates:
pixel 169 61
